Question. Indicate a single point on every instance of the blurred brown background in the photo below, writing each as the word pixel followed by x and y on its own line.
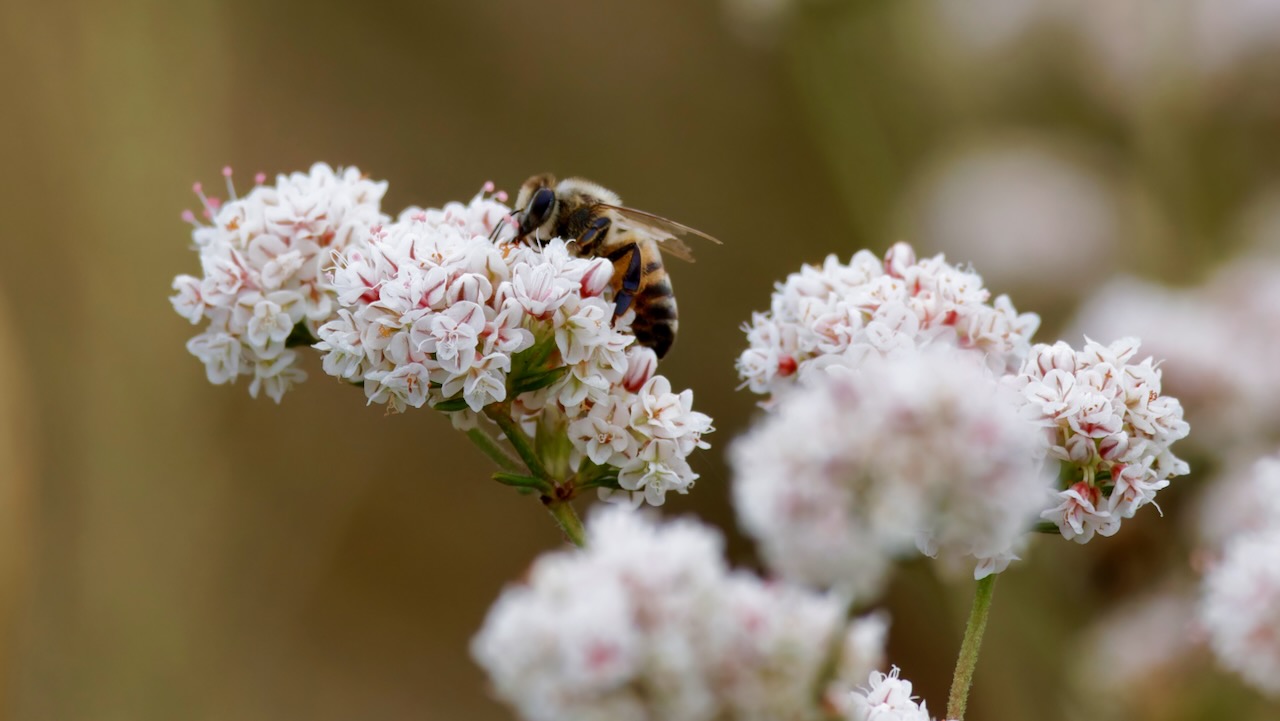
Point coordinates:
pixel 170 549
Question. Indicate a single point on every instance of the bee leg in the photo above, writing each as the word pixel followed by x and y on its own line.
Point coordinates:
pixel 630 278
pixel 594 233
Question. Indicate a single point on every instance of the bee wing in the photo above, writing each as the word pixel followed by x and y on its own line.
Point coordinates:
pixel 667 232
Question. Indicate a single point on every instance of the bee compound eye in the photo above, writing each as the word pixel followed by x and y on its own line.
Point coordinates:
pixel 540 206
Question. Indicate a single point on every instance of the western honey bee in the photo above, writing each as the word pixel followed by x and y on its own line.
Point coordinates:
pixel 596 223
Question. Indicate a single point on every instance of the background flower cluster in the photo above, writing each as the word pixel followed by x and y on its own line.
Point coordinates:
pixel 648 622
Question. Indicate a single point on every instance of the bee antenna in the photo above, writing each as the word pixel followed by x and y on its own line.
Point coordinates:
pixel 497 227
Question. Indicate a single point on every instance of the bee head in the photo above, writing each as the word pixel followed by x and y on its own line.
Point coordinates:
pixel 536 205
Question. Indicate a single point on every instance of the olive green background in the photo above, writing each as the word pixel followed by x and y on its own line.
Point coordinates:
pixel 174 550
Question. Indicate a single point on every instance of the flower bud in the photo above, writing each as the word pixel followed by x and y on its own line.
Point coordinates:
pixel 642 362
pixel 597 277
pixel 900 257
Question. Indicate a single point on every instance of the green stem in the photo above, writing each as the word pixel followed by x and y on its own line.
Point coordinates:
pixel 1048 527
pixel 560 508
pixel 500 413
pixel 494 451
pixel 525 482
pixel 568 519
pixel 969 648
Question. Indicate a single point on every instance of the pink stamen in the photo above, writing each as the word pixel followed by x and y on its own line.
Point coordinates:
pixel 501 196
pixel 489 186
pixel 231 188
pixel 189 217
pixel 260 178
pixel 210 204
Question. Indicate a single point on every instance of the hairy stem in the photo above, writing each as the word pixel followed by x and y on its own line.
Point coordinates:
pixel 969 648
pixel 568 519
pixel 494 450
pixel 500 413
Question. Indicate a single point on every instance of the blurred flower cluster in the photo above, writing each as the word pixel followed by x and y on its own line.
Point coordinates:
pixel 1241 596
pixel 648 622
pixel 924 451
pixel 891 443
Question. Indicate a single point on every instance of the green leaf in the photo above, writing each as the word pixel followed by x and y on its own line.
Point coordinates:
pixel 452 404
pixel 525 483
pixel 538 381
pixel 533 357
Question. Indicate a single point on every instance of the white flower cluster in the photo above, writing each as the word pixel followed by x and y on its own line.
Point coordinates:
pixel 1241 608
pixel 648 623
pixel 1107 423
pixel 263 258
pixel 1238 308
pixel 432 312
pixel 866 465
pixel 840 314
pixel 886 698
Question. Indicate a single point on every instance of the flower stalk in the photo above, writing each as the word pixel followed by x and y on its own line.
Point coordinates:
pixel 496 452
pixel 568 520
pixel 555 495
pixel 969 648
pixel 500 413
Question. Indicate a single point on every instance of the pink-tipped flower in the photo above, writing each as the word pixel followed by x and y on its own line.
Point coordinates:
pixel 264 257
pixel 596 278
pixel 490 322
pixel 642 363
pixel 841 314
pixel 886 698
pixel 1107 424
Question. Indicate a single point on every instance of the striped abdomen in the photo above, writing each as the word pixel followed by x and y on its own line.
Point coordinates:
pixel 655 305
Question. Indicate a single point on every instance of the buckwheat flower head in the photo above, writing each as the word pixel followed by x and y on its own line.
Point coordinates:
pixel 649 623
pixel 840 314
pixel 886 698
pixel 865 465
pixel 1241 609
pixel 1107 424
pixel 433 312
pixel 263 285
